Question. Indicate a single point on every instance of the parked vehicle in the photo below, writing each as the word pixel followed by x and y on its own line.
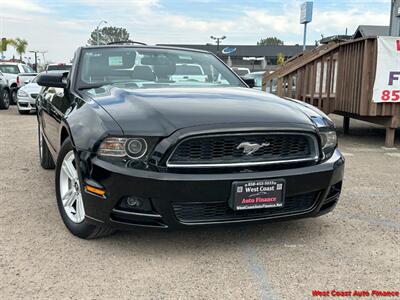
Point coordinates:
pixel 4 93
pixel 257 77
pixel 16 75
pixel 241 71
pixel 58 67
pixel 189 72
pixel 26 97
pixel 154 152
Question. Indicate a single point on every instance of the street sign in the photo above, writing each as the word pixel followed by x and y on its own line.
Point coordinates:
pixel 306 12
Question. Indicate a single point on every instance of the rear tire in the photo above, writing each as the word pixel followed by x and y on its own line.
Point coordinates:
pixel 70 199
pixel 46 160
pixel 4 99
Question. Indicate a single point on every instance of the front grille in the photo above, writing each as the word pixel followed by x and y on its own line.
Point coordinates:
pixel 198 212
pixel 222 150
pixel 34 96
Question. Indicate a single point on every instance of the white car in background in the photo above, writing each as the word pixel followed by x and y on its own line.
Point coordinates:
pixel 26 97
pixel 59 67
pixel 257 77
pixel 16 75
pixel 241 71
pixel 189 72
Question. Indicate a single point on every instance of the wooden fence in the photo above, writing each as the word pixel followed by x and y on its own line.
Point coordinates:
pixel 337 78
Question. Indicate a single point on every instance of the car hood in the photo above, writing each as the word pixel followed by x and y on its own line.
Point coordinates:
pixel 31 88
pixel 163 111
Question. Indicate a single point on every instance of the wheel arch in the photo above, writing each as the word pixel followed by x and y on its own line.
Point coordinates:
pixel 65 133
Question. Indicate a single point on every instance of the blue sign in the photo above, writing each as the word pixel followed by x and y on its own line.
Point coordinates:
pixel 306 12
pixel 228 50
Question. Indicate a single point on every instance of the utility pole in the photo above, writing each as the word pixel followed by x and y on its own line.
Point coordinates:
pixel 218 41
pixel 395 18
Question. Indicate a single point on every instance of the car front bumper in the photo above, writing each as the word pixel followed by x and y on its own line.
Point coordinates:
pixel 182 200
pixel 26 103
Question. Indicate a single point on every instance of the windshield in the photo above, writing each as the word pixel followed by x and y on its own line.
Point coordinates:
pixel 34 80
pixel 27 69
pixel 10 69
pixel 152 68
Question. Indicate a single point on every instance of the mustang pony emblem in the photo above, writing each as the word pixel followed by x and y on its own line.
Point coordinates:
pixel 250 148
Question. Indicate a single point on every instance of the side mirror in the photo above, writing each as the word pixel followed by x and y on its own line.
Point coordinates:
pixel 27 81
pixel 58 80
pixel 250 82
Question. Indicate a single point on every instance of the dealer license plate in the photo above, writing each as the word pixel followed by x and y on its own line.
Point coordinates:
pixel 257 194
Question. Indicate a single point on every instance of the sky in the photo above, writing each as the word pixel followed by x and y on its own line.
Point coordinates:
pixel 60 26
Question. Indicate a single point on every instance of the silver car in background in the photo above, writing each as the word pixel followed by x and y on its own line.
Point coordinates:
pixel 26 97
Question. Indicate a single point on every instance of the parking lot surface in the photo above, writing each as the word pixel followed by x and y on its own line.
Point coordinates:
pixel 356 247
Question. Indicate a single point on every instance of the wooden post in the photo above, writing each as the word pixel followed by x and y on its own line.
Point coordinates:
pixel 346 125
pixel 390 135
pixel 280 88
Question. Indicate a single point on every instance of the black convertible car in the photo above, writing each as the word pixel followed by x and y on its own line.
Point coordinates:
pixel 167 137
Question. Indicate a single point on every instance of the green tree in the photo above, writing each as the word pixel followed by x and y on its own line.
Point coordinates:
pixel 280 59
pixel 270 41
pixel 108 35
pixel 20 46
pixel 3 45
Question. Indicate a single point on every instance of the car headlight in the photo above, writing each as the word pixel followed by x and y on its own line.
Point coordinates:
pixel 21 93
pixel 328 139
pixel 328 143
pixel 327 133
pixel 134 148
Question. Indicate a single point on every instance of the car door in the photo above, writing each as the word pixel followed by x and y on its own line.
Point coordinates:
pixel 55 104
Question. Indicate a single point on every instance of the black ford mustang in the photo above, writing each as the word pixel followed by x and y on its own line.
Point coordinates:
pixel 168 137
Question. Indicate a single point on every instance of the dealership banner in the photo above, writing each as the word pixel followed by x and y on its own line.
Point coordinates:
pixel 387 79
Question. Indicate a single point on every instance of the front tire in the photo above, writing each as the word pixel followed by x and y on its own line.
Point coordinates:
pixel 70 199
pixel 4 100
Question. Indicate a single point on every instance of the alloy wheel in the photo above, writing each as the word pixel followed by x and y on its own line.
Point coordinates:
pixel 70 190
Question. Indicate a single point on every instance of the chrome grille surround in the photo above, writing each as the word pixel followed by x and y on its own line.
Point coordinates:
pixel 175 158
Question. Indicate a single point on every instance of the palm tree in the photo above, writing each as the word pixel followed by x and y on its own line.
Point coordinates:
pixel 3 45
pixel 20 46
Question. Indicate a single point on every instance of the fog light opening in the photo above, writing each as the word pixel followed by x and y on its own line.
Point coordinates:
pixel 135 203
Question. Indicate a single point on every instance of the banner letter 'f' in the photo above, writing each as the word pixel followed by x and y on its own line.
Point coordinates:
pixel 393 76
